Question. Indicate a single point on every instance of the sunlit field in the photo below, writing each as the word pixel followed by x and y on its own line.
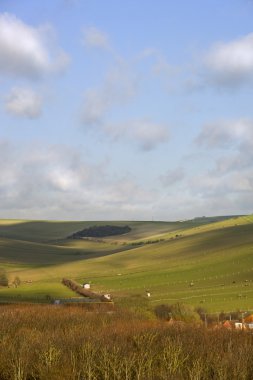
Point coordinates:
pixel 206 262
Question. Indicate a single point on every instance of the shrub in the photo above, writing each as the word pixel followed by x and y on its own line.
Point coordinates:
pixel 163 311
pixel 16 281
pixel 178 311
pixel 184 312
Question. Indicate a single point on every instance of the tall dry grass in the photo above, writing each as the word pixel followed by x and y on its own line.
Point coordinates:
pixel 57 343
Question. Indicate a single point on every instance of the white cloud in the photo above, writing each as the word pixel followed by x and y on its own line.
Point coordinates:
pixel 231 63
pixel 57 182
pixel 227 134
pixel 239 161
pixel 119 87
pixel 26 50
pixel 95 106
pixel 227 186
pixel 234 138
pixel 149 134
pixel 210 193
pixel 173 176
pixel 23 102
pixel 155 66
pixel 143 132
pixel 95 38
pixel 218 186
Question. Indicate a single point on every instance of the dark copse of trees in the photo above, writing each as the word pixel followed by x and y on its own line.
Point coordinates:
pixel 101 231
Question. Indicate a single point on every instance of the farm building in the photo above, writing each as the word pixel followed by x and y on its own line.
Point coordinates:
pixel 228 325
pixel 249 319
pixel 237 325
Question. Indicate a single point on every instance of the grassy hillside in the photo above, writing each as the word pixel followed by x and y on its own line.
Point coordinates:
pixel 50 231
pixel 206 261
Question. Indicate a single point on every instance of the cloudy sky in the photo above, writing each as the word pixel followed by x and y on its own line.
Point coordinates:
pixel 126 109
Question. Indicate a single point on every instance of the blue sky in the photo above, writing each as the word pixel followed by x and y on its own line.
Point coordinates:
pixel 125 110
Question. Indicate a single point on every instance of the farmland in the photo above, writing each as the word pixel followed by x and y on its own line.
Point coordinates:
pixel 204 262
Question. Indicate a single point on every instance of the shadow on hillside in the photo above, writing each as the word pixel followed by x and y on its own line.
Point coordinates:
pixel 43 255
pixel 40 231
pixel 213 241
pixel 52 231
pixel 29 250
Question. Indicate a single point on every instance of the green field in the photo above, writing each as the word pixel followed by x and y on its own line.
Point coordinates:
pixel 205 261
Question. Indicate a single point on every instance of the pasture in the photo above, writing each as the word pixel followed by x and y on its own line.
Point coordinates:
pixel 206 262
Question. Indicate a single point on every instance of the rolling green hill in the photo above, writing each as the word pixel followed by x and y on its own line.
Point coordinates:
pixel 205 261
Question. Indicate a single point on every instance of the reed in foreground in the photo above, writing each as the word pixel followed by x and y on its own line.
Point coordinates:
pixel 48 342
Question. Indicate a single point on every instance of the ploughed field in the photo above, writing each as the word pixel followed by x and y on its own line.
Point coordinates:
pixel 206 262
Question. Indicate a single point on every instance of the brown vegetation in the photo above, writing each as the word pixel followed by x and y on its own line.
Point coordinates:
pixel 82 291
pixel 56 342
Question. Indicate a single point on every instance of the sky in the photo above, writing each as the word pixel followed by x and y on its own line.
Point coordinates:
pixel 126 110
